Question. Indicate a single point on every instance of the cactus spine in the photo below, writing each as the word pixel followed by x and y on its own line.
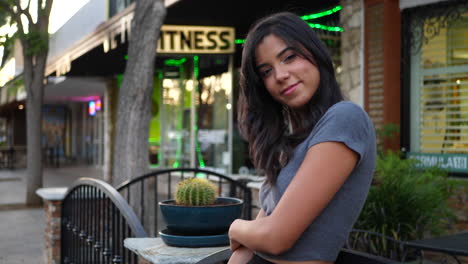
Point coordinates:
pixel 195 192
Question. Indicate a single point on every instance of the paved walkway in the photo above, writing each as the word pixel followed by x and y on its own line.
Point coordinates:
pixel 22 228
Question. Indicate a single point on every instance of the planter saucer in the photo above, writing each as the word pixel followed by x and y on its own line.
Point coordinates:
pixel 176 240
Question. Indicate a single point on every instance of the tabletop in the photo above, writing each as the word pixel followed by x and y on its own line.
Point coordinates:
pixel 156 251
pixel 456 244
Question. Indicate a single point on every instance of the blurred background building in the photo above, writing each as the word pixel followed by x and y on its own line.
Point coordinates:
pixel 405 62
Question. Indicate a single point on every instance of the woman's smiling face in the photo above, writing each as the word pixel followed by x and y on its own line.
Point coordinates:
pixel 290 78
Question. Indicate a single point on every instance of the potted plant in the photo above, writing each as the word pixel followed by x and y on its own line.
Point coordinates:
pixel 197 217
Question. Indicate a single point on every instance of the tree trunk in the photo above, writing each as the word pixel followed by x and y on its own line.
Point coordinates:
pixel 134 108
pixel 33 80
pixel 34 41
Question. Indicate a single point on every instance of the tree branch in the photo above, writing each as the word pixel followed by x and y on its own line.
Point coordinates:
pixel 28 16
pixel 18 5
pixel 44 13
pixel 48 8
pixel 43 16
pixel 15 15
pixel 27 7
pixel 22 11
pixel 26 11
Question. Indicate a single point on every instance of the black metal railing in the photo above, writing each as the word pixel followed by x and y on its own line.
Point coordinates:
pixel 95 221
pixel 143 193
pixel 380 245
pixel 350 256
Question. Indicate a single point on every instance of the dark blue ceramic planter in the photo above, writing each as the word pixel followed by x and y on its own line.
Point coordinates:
pixel 194 241
pixel 201 220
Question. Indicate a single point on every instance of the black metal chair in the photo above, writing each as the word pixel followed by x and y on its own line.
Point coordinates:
pixel 349 256
pixel 346 256
pixel 381 246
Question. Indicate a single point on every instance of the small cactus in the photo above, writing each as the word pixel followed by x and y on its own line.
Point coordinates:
pixel 195 192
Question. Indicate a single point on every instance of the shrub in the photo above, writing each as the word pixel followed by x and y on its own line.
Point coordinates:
pixel 406 202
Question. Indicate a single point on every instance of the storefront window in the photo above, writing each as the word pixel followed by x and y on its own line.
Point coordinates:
pixel 439 90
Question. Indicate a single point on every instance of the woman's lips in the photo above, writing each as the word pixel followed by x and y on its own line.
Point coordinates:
pixel 289 89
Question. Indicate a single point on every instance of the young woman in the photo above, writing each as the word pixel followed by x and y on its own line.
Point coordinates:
pixel 317 150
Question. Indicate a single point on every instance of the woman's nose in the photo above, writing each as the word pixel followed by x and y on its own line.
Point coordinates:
pixel 282 73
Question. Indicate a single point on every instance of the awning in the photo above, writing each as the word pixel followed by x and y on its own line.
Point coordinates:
pixel 105 34
pixel 83 89
pixel 13 91
pixel 58 89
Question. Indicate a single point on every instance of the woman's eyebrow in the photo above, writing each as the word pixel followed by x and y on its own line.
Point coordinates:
pixel 283 51
pixel 277 56
pixel 258 67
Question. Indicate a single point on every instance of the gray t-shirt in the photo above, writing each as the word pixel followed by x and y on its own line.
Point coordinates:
pixel 344 122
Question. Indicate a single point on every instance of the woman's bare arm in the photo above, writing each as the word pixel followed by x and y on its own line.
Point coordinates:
pixel 260 214
pixel 325 168
pixel 242 254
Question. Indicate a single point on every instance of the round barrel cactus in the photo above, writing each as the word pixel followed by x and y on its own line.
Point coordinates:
pixel 195 192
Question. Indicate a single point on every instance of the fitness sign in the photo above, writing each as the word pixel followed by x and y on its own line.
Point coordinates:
pixel 196 39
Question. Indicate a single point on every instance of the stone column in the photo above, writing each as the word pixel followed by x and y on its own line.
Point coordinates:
pixel 53 198
pixel 351 50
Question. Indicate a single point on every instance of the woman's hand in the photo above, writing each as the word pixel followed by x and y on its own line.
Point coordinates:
pixel 241 255
pixel 234 245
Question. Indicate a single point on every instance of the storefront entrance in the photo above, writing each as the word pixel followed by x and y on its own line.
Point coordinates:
pixel 191 123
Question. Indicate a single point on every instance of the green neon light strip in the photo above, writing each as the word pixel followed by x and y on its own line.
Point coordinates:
pixel 322 14
pixel 196 70
pixel 160 77
pixel 199 154
pixel 179 139
pixel 327 28
pixel 201 162
pixel 312 25
pixel 174 62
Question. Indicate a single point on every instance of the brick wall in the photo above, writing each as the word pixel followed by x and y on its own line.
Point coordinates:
pixel 53 214
pixel 350 77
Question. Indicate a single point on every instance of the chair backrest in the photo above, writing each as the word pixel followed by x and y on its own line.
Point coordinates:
pixel 95 221
pixel 378 244
pixel 145 192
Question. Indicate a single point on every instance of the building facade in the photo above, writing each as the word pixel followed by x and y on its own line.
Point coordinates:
pixel 403 61
pixel 195 87
pixel 413 65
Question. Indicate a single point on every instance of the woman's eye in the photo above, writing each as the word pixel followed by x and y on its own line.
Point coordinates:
pixel 265 72
pixel 290 57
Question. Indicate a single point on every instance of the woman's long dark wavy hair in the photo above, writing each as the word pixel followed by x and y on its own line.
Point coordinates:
pixel 261 118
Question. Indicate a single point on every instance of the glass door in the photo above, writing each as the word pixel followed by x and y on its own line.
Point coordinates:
pixel 195 109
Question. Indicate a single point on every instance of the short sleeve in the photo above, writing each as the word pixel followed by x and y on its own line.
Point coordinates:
pixel 347 123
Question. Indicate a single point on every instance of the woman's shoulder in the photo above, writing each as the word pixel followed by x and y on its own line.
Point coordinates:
pixel 346 106
pixel 340 120
pixel 346 111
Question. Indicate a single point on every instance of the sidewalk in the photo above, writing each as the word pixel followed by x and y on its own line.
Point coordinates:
pixel 22 228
